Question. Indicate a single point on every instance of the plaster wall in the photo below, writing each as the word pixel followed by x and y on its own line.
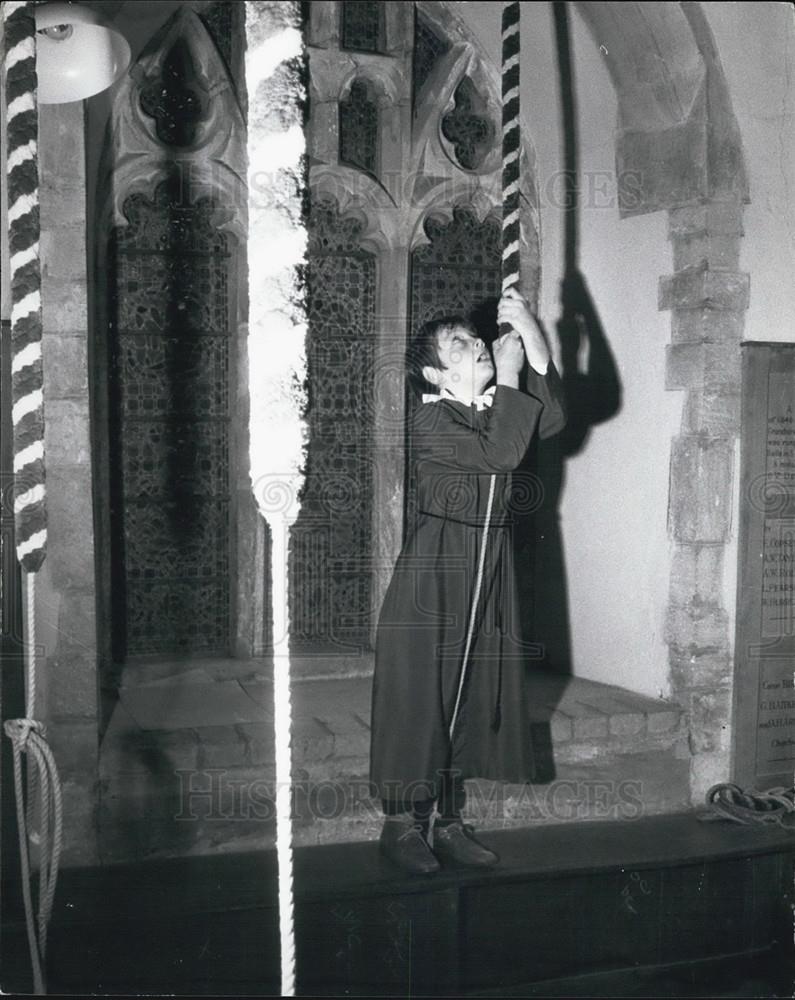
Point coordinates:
pixel 756 44
pixel 614 507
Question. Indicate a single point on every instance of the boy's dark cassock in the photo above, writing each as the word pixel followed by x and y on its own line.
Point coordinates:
pixel 423 622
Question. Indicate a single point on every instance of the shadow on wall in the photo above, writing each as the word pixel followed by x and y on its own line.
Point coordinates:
pixel 592 395
pixel 592 392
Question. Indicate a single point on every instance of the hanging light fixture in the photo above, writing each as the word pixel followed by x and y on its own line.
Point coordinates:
pixel 77 54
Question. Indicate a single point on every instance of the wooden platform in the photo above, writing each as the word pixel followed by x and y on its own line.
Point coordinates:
pixel 612 907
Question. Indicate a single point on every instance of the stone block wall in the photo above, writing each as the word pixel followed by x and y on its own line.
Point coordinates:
pixel 707 296
pixel 65 603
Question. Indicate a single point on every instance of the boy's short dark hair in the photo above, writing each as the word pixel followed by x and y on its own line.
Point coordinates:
pixel 424 349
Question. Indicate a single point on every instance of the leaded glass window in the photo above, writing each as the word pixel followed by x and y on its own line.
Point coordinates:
pixel 330 569
pixel 468 127
pixel 359 129
pixel 170 433
pixel 362 28
pixel 175 99
pixel 458 271
pixel 219 19
pixel 428 49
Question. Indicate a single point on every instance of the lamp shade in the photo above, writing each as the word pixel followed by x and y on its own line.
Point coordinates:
pixel 77 55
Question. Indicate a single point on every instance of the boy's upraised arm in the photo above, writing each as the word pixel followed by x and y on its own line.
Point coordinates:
pixel 497 444
pixel 543 381
pixel 548 390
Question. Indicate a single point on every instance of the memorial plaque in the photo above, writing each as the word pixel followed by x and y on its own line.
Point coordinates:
pixel 764 682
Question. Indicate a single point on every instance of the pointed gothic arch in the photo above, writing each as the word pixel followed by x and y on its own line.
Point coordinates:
pixel 179 540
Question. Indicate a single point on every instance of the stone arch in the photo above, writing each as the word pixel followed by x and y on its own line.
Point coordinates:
pixel 189 182
pixel 356 192
pixel 464 249
pixel 133 156
pixel 443 212
pixel 672 101
pixel 360 128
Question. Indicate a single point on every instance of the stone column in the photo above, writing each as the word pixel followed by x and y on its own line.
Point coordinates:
pixel 389 380
pixel 707 296
pixel 66 590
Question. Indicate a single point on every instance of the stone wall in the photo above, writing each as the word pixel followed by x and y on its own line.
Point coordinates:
pixel 65 604
pixel 707 296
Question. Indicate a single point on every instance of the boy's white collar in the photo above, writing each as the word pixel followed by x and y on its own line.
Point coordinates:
pixel 479 402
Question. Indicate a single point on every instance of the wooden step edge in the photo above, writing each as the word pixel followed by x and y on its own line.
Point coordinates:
pixel 241 879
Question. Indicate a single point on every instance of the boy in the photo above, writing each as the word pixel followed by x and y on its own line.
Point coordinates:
pixel 459 437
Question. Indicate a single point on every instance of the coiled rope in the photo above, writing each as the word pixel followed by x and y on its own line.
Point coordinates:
pixel 728 801
pixel 27 736
pixel 511 237
pixel 44 801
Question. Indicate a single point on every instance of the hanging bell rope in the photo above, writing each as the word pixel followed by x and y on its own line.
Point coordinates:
pixel 277 367
pixel 30 514
pixel 511 136
pixel 511 261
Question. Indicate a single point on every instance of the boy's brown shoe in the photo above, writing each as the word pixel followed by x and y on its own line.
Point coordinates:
pixel 455 844
pixel 403 842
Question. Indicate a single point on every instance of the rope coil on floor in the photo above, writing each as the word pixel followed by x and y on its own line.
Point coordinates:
pixel 727 800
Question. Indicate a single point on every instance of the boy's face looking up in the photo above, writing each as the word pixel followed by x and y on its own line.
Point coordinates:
pixel 468 367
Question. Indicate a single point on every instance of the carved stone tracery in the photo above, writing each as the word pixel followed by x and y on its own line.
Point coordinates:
pixel 362 27
pixel 458 270
pixel 177 99
pixel 468 127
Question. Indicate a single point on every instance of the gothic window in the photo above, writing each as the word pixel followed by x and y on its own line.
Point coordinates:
pixel 458 271
pixel 468 126
pixel 175 99
pixel 362 28
pixel 358 126
pixel 428 49
pixel 330 565
pixel 170 441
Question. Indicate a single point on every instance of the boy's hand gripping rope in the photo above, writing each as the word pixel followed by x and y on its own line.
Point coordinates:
pixel 511 238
